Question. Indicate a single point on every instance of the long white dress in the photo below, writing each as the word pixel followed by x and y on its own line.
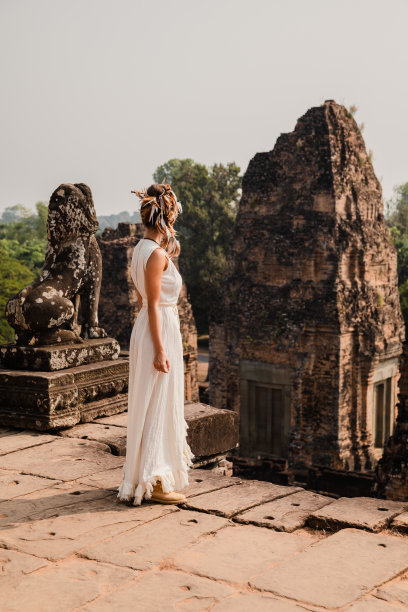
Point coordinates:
pixel 156 446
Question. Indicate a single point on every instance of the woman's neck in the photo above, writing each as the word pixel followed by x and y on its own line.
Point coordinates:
pixel 156 236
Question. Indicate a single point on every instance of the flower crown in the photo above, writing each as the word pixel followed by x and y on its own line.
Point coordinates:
pixel 161 198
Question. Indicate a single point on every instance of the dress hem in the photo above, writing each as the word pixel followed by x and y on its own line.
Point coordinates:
pixel 170 480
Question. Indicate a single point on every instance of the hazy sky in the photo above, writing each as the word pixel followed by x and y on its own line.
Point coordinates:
pixel 103 91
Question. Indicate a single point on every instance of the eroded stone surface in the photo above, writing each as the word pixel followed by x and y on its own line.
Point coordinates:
pixel 108 479
pixel 243 602
pixel 52 400
pixel 286 513
pixel 364 512
pixel 395 591
pixel 13 484
pixel 24 439
pixel 400 522
pixel 237 552
pixel 146 546
pixel 76 526
pixel 62 588
pixel 119 420
pixel 211 430
pixel 58 357
pixel 242 495
pixel 114 437
pixel 166 590
pixel 337 570
pixel 47 502
pixel 62 459
pixel 15 564
pixel 204 481
pixel 373 605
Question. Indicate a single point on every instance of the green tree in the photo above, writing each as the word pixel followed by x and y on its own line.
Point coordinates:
pixel 13 277
pixel 23 234
pixel 397 221
pixel 209 197
pixel 23 240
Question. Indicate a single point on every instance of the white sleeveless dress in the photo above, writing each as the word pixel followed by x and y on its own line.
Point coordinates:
pixel 156 446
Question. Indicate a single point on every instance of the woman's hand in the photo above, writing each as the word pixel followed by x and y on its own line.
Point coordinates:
pixel 161 363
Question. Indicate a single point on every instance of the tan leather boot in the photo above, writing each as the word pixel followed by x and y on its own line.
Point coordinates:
pixel 173 497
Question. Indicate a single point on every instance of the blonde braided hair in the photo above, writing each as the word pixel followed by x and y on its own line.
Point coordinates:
pixel 159 209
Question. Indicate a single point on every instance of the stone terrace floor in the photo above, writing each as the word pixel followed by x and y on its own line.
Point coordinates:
pixel 237 545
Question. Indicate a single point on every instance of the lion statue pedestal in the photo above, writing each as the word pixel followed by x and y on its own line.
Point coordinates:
pixel 62 369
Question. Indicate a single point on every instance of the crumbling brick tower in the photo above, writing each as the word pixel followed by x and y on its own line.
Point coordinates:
pixel 306 342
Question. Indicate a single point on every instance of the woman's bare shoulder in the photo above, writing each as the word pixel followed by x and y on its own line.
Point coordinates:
pixel 157 258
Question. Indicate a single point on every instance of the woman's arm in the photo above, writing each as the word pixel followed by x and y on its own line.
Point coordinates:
pixel 139 298
pixel 153 275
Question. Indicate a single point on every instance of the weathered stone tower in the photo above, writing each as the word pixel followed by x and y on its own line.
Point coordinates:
pixel 306 342
pixel 118 306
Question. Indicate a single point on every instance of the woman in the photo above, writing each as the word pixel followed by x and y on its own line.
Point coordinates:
pixel 157 454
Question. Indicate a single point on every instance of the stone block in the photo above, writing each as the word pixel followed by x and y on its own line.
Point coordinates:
pixel 395 591
pixel 108 479
pixel 242 602
pixel 44 503
pixel 53 400
pixel 63 587
pixel 286 513
pixel 205 481
pixel 114 437
pixel 237 552
pixel 363 512
pixel 24 439
pixel 64 459
pixel 13 484
pixel 119 420
pixel 165 590
pixel 15 565
pixel 147 546
pixel 77 526
pixel 337 570
pixel 229 501
pixel 373 605
pixel 211 430
pixel 58 357
pixel 400 523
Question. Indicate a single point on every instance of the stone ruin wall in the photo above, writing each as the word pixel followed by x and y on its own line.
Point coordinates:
pixel 392 469
pixel 118 305
pixel 312 287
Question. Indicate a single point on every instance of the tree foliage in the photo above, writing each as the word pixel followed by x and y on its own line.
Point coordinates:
pixel 13 277
pixel 209 197
pixel 23 240
pixel 397 221
pixel 23 235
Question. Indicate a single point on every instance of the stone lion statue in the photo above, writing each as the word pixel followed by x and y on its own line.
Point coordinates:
pixel 46 312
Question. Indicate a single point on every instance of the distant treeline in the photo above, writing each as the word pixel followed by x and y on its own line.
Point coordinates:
pixel 113 220
pixel 397 221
